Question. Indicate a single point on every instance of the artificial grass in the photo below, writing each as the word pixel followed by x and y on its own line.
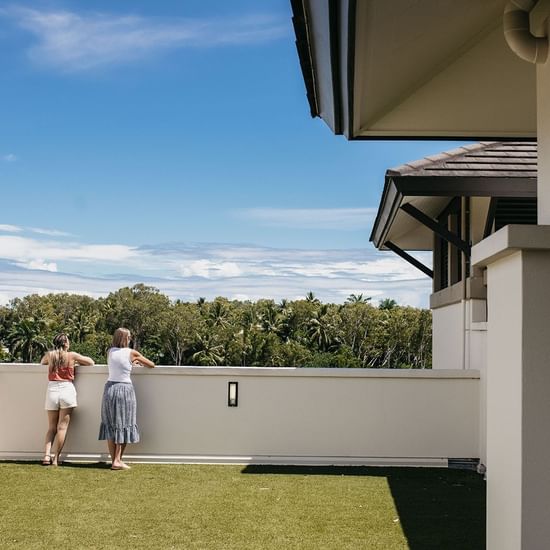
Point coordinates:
pixel 245 507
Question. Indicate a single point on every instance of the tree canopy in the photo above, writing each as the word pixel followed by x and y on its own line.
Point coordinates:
pixel 299 333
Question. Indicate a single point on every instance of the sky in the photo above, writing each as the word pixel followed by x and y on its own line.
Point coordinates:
pixel 170 143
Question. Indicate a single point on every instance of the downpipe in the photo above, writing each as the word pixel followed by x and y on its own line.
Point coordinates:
pixel 525 24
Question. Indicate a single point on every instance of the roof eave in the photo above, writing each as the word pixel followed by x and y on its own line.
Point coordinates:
pixel 303 48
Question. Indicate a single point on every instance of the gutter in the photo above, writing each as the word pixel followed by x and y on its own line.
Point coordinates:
pixel 303 47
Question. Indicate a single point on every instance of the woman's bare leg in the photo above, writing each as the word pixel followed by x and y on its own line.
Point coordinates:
pixel 53 417
pixel 122 449
pixel 117 462
pixel 62 427
pixel 111 445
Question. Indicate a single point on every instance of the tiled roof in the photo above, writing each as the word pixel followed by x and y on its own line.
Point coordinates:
pixel 485 159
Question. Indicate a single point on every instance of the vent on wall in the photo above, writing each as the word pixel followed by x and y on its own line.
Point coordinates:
pixel 515 210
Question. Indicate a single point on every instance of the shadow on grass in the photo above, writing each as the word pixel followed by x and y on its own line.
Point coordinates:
pixel 89 465
pixel 437 507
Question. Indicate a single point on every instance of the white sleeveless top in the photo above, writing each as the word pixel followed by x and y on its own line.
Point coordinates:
pixel 120 366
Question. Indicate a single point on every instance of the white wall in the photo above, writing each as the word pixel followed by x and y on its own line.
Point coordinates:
pixel 333 416
pixel 458 342
pixel 461 343
pixel 448 337
pixel 518 409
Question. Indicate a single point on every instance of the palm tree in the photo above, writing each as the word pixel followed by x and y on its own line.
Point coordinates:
pixel 80 326
pixel 270 319
pixel 208 352
pixel 310 297
pixel 248 322
pixel 218 315
pixel 357 299
pixel 320 330
pixel 387 303
pixel 26 338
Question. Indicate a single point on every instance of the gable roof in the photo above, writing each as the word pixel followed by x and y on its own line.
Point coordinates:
pixel 486 169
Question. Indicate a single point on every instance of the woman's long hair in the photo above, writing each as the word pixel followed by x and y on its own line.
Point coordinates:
pixel 121 338
pixel 59 356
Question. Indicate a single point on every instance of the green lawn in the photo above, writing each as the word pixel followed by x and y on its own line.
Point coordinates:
pixel 239 507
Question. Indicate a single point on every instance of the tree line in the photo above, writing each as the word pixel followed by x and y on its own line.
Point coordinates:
pixel 298 333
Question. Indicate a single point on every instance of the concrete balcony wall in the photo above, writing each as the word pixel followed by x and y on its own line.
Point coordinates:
pixel 313 416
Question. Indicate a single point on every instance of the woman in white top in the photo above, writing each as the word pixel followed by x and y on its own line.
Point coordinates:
pixel 118 407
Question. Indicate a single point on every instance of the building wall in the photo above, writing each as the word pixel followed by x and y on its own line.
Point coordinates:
pixel 334 416
pixel 460 342
pixel 448 337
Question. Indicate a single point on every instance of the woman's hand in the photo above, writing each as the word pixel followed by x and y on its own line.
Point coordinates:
pixel 138 359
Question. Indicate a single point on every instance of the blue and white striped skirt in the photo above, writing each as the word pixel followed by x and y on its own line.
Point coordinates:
pixel 118 413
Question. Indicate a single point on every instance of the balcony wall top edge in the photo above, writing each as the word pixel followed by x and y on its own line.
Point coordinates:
pixel 293 372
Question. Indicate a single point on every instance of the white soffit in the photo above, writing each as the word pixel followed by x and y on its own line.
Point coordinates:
pixel 439 68
pixel 407 232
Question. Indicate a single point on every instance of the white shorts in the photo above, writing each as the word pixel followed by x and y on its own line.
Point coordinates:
pixel 60 395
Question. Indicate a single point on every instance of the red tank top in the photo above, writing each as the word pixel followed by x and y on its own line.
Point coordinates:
pixel 64 373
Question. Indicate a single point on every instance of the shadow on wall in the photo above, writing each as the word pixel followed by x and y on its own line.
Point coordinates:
pixel 438 508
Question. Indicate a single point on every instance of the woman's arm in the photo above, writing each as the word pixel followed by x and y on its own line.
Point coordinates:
pixel 82 359
pixel 136 357
pixel 45 359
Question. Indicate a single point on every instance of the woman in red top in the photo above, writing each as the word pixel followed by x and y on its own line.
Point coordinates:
pixel 61 394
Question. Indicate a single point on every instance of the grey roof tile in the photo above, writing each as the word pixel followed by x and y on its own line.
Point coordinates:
pixel 484 159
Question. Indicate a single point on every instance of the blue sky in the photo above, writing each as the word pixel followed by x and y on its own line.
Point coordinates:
pixel 171 143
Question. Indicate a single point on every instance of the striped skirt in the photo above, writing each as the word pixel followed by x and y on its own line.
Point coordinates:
pixel 118 413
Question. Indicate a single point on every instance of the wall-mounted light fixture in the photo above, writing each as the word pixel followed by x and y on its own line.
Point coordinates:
pixel 233 394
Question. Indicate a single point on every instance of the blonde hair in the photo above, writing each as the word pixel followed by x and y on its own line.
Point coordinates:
pixel 59 357
pixel 121 338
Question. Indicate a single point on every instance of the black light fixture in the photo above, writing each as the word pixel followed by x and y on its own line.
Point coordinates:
pixel 233 394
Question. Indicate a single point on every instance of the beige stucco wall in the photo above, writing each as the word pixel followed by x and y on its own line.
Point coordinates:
pixel 518 409
pixel 448 336
pixel 461 343
pixel 334 416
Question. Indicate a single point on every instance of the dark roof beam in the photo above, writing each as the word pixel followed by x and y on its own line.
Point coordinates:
pixel 408 258
pixel 437 227
pixel 456 185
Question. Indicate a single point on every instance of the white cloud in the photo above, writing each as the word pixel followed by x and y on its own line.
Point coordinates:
pixel 79 41
pixel 10 228
pixel 50 232
pixel 24 249
pixel 210 269
pixel 410 292
pixel 39 264
pixel 311 218
pixel 10 157
pixel 187 271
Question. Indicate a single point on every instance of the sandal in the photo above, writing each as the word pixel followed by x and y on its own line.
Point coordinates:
pixel 121 467
pixel 47 460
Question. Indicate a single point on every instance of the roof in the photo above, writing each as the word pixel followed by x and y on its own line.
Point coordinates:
pixel 486 159
pixel 486 169
pixel 417 70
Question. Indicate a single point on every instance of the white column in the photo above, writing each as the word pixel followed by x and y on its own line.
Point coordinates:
pixel 518 386
pixel 543 138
